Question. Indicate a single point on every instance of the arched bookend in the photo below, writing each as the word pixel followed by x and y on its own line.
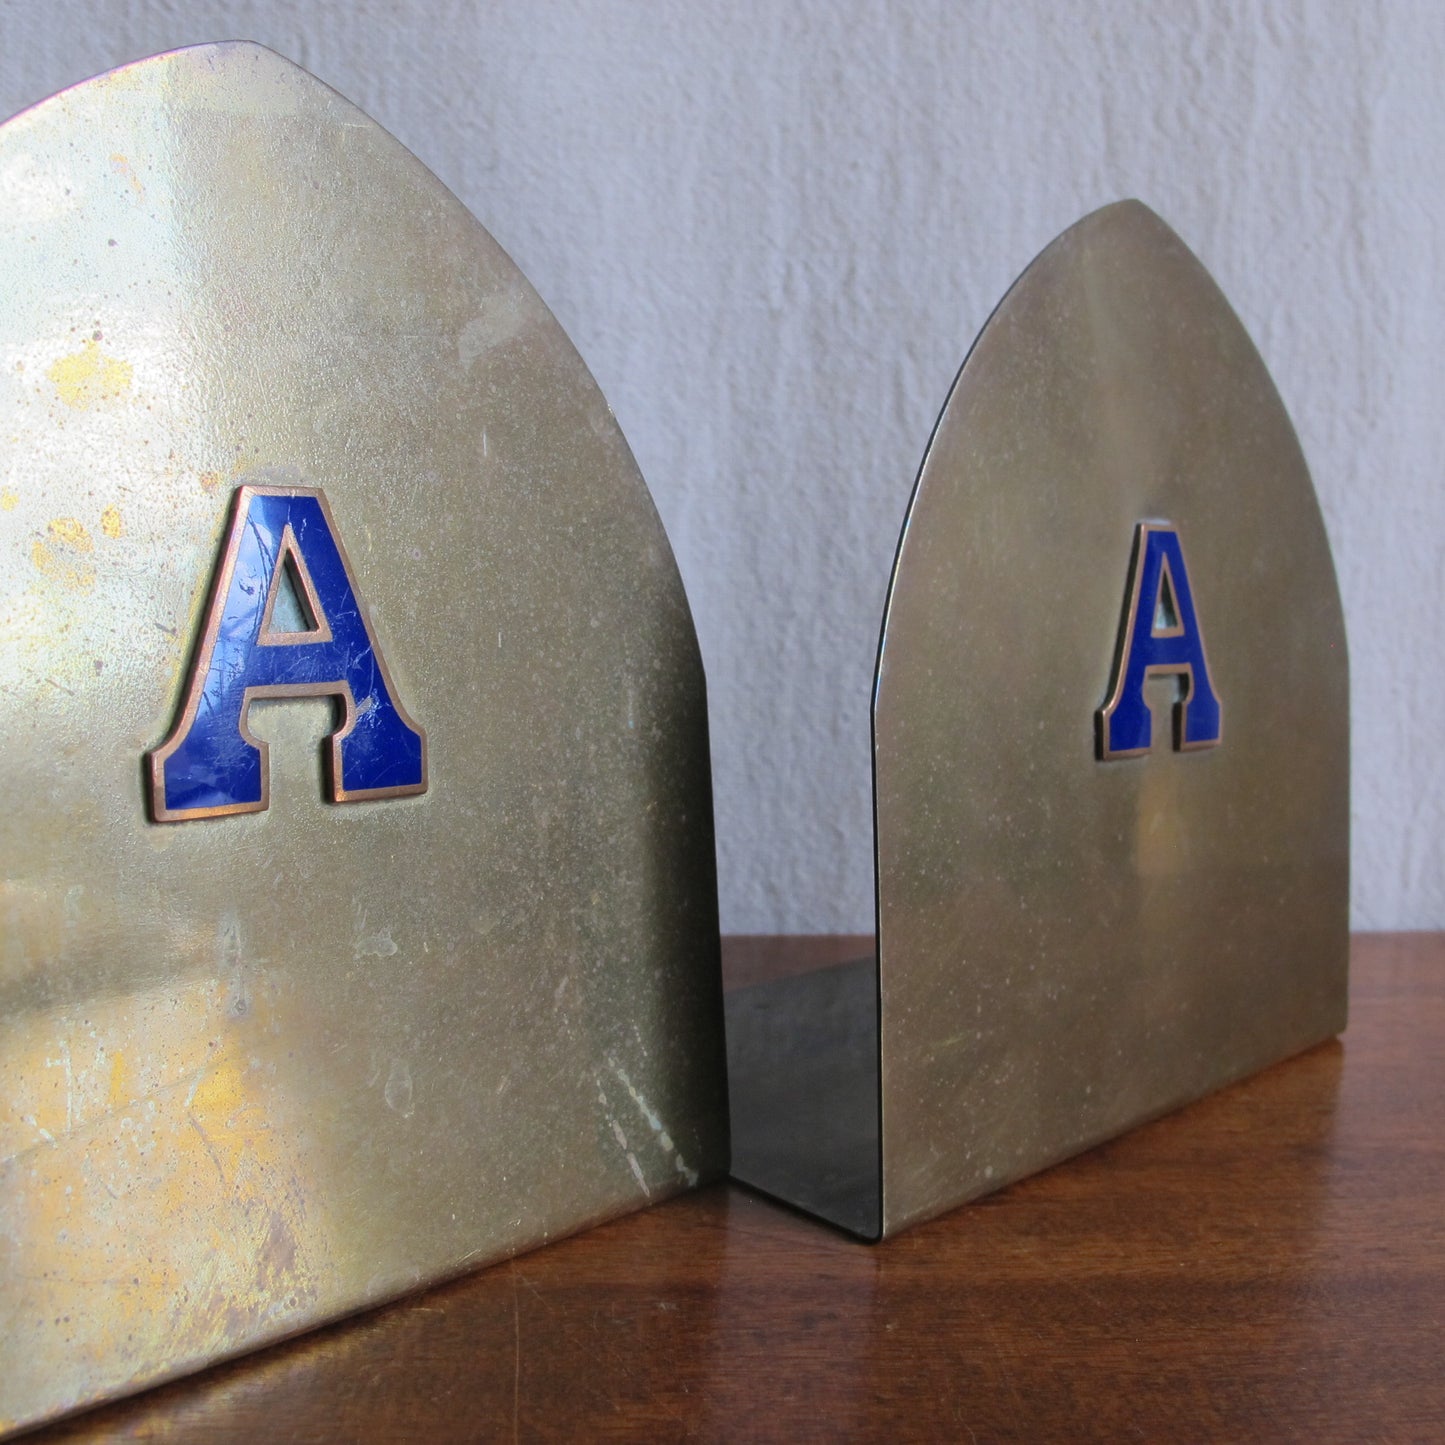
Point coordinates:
pixel 1112 860
pixel 359 895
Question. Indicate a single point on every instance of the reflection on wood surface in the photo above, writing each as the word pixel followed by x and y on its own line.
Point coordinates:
pixel 1267 1263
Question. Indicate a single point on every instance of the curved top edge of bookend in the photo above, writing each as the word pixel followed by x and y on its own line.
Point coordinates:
pixel 187 70
pixel 417 973
pixel 1112 863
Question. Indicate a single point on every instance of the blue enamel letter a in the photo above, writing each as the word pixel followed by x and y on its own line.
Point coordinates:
pixel 1159 637
pixel 210 765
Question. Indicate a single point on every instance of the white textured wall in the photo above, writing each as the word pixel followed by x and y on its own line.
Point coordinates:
pixel 773 229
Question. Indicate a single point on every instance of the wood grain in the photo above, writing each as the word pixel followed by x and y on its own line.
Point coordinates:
pixel 1266 1264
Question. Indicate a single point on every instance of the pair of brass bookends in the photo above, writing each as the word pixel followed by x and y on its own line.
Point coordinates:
pixel 282 422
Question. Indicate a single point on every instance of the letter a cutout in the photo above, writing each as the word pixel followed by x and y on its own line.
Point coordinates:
pixel 210 765
pixel 1159 637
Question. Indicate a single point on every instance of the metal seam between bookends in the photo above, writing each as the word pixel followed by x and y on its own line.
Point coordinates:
pixel 803 1091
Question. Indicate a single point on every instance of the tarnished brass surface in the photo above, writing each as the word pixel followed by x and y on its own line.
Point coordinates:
pixel 1076 933
pixel 260 1070
pixel 1069 946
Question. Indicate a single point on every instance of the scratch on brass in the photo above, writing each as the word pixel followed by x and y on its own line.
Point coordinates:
pixel 398 1092
pixel 620 1135
pixel 379 944
pixel 156 1100
pixel 654 1123
pixel 122 167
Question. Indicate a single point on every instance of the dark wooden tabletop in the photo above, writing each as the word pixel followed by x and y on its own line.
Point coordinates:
pixel 1266 1264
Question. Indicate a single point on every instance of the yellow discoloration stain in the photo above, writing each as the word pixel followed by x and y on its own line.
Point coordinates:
pixel 50 563
pixel 8 501
pixel 88 378
pixel 152 1179
pixel 107 1071
pixel 110 522
pixel 227 1116
pixel 210 481
pixel 118 1094
pixel 71 533
pixel 122 167
pixel 58 555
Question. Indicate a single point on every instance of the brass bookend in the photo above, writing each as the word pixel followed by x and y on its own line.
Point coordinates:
pixel 359 895
pixel 1112 865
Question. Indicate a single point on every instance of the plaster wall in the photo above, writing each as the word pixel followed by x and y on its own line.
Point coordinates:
pixel 773 229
